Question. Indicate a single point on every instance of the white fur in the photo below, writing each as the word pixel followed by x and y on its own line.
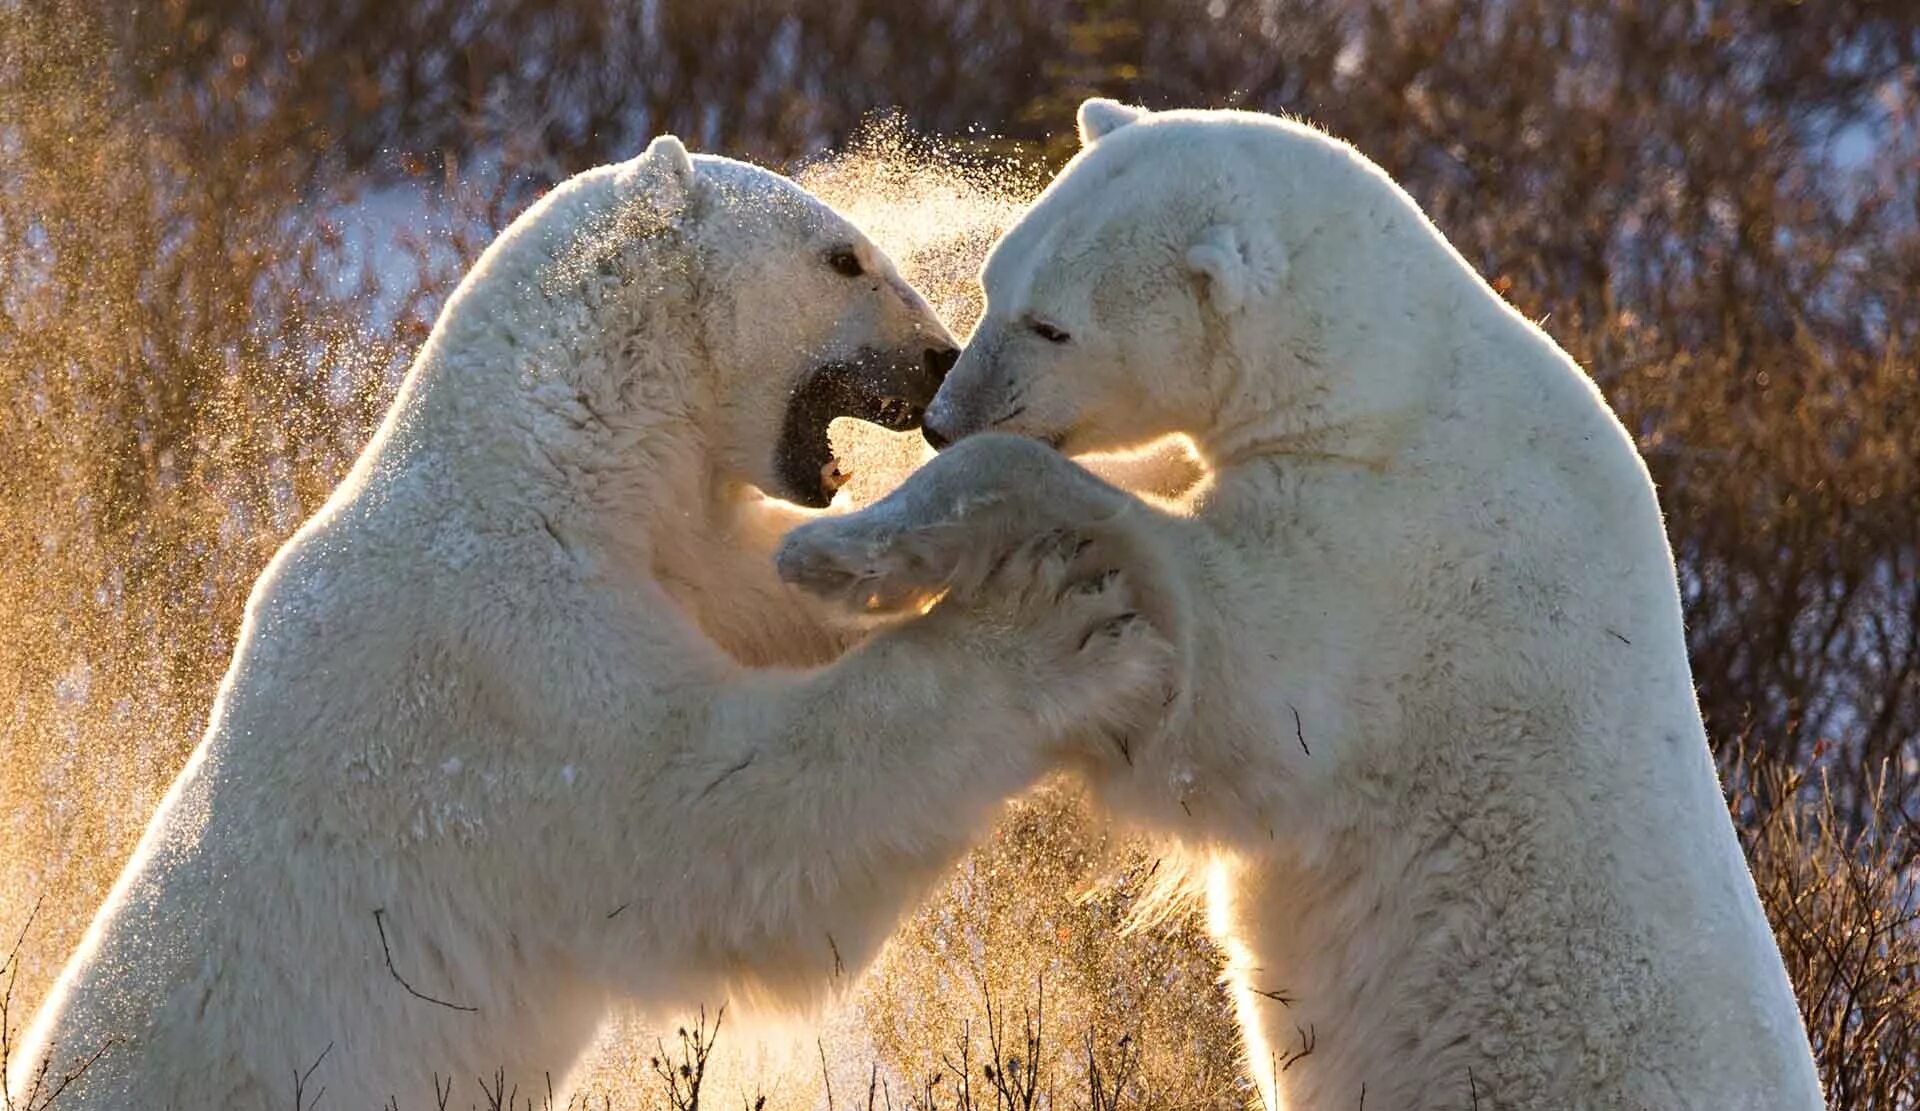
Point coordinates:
pixel 1098 115
pixel 475 696
pixel 1438 724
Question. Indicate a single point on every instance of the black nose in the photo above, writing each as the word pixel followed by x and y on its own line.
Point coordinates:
pixel 939 360
pixel 936 439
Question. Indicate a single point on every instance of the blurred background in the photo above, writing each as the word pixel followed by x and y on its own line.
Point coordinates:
pixel 224 227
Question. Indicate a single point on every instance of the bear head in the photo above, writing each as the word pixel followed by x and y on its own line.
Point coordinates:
pixel 704 301
pixel 804 320
pixel 1154 287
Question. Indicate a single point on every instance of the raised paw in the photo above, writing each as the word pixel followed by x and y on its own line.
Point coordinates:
pixel 946 527
pixel 1074 628
pixel 866 567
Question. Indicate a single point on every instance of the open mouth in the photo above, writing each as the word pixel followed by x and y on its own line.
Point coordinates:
pixel 890 390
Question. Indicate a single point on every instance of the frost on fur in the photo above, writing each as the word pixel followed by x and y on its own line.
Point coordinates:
pixel 1439 729
pixel 491 700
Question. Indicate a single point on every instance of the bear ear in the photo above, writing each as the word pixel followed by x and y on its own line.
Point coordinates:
pixel 1099 116
pixel 1238 268
pixel 665 172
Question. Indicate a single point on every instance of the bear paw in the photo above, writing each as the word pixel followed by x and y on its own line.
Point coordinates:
pixel 865 566
pixel 1060 611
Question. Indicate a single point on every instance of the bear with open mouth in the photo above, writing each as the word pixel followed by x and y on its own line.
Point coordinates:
pixel 493 750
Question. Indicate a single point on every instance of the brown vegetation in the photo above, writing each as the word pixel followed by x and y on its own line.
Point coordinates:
pixel 224 225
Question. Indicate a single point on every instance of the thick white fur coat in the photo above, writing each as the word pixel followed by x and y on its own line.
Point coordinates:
pixel 489 754
pixel 1437 724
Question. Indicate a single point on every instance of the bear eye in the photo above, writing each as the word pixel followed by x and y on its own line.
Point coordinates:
pixel 845 262
pixel 1048 332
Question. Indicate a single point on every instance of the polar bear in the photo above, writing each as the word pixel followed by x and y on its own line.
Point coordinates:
pixel 1437 724
pixel 488 755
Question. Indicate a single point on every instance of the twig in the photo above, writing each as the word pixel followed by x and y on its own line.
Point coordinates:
pixel 725 775
pixel 1100 1097
pixel 34 1100
pixel 12 969
pixel 300 1084
pixel 379 923
pixel 826 1075
pixel 1309 1038
pixel 685 1079
pixel 38 1096
pixel 498 1098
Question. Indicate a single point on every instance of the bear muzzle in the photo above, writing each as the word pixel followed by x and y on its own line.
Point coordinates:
pixel 889 388
pixel 969 393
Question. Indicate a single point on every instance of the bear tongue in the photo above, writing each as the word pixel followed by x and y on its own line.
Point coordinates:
pixel 833 476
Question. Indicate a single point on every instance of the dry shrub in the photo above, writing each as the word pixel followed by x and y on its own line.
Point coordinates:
pixel 1846 912
pixel 224 225
pixel 1030 943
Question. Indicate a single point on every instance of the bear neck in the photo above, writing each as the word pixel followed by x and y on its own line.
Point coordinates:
pixel 710 548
